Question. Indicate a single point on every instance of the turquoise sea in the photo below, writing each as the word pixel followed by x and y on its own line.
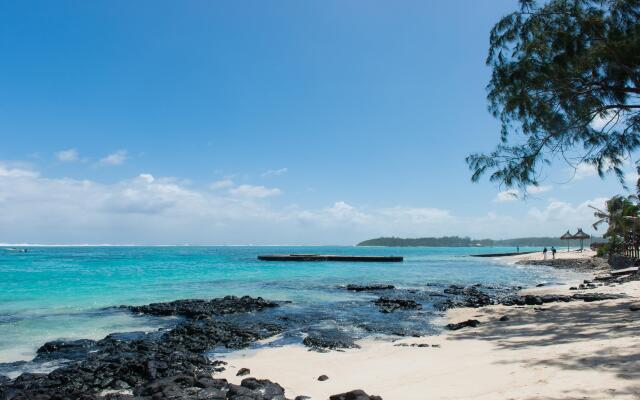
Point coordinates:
pixel 66 292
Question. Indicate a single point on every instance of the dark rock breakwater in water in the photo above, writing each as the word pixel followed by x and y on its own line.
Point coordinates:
pixel 191 308
pixel 388 305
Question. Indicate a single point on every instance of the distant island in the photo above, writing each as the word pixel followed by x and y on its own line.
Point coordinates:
pixel 456 241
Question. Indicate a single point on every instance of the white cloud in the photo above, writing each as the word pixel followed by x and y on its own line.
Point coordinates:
pixel 566 214
pixel 584 170
pixel 221 184
pixel 605 122
pixel 344 212
pixel 507 196
pixel 147 178
pixel 9 172
pixel 151 209
pixel 631 180
pixel 598 122
pixel 416 215
pixel 275 172
pixel 117 158
pixel 538 189
pixel 69 155
pixel 510 195
pixel 163 210
pixel 251 191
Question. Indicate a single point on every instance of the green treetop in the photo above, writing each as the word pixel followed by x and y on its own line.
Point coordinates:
pixel 565 85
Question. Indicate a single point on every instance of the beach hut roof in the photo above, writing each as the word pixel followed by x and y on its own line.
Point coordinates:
pixel 566 236
pixel 581 235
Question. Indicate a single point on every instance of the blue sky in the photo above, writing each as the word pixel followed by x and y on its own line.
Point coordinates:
pixel 232 122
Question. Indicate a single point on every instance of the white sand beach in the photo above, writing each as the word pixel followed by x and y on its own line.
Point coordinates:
pixel 575 350
pixel 561 254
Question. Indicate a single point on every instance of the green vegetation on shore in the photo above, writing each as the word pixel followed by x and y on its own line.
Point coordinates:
pixel 456 241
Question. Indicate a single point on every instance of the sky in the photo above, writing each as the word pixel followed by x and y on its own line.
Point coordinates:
pixel 255 122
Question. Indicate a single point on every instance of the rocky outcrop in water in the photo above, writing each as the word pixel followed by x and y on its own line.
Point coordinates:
pixel 67 349
pixel 460 296
pixel 169 365
pixel 202 308
pixel 388 305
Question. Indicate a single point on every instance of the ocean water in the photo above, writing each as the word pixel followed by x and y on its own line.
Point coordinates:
pixel 67 292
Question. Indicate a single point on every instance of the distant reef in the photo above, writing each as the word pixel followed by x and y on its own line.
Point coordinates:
pixel 456 241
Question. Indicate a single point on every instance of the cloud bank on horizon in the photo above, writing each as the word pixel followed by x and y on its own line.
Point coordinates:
pixel 145 209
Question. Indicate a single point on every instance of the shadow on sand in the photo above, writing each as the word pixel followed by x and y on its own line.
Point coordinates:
pixel 610 330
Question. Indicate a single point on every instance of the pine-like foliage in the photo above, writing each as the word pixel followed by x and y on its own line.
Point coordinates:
pixel 565 85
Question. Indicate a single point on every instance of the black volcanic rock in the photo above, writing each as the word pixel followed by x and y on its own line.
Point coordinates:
pixel 461 296
pixel 323 378
pixel 388 305
pixel 582 264
pixel 268 389
pixel 470 323
pixel 329 339
pixel 354 395
pixel 166 365
pixel 532 300
pixel 555 298
pixel 243 372
pixel 197 308
pixel 589 297
pixel 67 349
pixel 183 387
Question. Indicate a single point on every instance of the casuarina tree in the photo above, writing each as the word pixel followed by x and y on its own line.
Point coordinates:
pixel 565 86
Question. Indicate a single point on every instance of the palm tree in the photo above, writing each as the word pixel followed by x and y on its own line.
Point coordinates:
pixel 621 216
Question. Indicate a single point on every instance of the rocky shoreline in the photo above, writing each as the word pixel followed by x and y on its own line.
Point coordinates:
pixel 173 363
pixel 590 265
pixel 163 365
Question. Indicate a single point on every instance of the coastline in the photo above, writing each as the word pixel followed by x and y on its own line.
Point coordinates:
pixel 557 350
pixel 556 341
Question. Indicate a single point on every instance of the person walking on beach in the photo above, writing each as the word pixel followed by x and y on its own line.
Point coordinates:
pixel 553 252
pixel 544 253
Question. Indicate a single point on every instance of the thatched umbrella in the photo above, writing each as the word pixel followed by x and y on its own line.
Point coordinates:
pixel 581 236
pixel 567 236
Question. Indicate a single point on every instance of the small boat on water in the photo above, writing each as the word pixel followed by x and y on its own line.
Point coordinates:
pixel 328 257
